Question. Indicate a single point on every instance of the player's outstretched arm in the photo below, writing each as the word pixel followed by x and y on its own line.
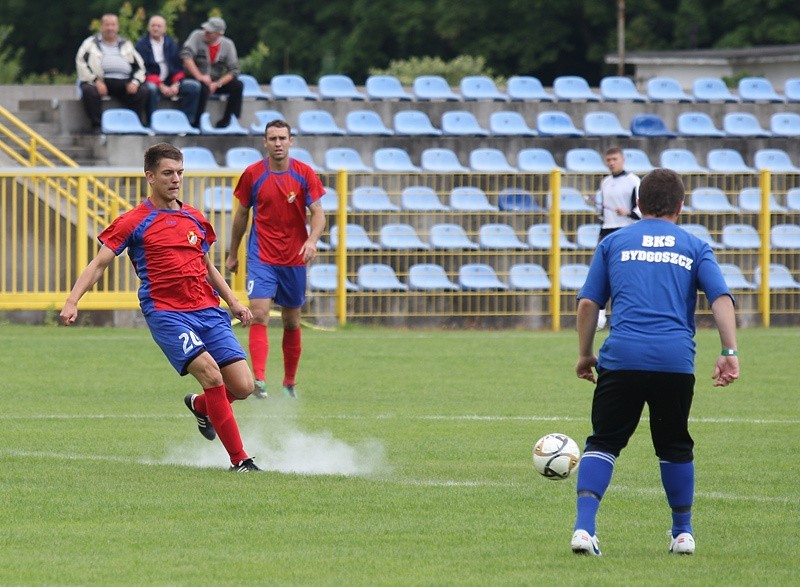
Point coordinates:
pixel 88 277
pixel 216 280
pixel 726 369
pixel 587 326
pixel 238 228
pixel 317 225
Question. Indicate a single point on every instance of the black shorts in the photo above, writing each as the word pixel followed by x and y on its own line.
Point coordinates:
pixel 619 399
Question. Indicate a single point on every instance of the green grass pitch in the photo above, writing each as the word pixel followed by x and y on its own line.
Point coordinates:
pixel 406 461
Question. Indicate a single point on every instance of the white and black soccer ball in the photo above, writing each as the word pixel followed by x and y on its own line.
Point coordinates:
pixel 556 456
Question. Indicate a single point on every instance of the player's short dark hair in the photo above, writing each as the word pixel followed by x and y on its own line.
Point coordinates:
pixel 278 123
pixel 153 155
pixel 661 193
pixel 612 151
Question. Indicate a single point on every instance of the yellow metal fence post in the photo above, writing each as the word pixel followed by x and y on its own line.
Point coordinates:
pixel 555 249
pixel 765 181
pixel 341 248
pixel 82 226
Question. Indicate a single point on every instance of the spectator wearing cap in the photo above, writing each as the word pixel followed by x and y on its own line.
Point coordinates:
pixel 164 71
pixel 210 57
pixel 108 65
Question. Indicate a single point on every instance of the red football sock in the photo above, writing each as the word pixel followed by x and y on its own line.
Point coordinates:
pixel 292 348
pixel 259 349
pixel 221 416
pixel 200 402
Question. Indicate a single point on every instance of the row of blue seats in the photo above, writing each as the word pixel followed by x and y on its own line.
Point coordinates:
pixel 520 88
pixel 491 160
pixel 430 277
pixel 399 236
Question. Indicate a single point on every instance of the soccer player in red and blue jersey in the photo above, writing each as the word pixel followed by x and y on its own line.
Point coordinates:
pixel 279 190
pixel 168 243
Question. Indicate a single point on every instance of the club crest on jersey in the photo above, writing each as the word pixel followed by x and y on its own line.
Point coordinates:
pixel 192 238
pixel 291 197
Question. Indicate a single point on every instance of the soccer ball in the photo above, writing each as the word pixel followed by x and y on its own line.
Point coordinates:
pixel 556 456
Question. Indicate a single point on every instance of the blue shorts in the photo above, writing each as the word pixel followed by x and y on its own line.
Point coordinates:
pixel 285 285
pixel 183 336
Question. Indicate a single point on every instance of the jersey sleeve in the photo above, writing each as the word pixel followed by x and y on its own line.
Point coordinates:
pixel 709 276
pixel 244 187
pixel 116 235
pixel 315 189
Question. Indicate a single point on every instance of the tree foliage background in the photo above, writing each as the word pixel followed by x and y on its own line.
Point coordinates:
pixel 513 37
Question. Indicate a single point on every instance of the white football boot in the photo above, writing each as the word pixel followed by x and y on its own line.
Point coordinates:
pixel 683 543
pixel 583 543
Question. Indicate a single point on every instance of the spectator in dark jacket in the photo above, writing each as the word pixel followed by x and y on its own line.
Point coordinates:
pixel 164 71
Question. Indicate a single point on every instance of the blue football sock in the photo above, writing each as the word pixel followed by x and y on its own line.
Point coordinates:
pixel 678 481
pixel 594 477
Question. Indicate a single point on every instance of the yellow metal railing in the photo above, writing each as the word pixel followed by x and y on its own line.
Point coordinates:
pixel 49 236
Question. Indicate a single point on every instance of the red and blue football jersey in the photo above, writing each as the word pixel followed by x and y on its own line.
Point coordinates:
pixel 279 201
pixel 166 248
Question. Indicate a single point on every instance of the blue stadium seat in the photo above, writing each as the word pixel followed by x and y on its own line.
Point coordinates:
pixel 386 87
pixel 785 236
pixel 122 121
pixel 712 89
pixel 791 89
pixel 251 88
pixel 776 160
pixel 603 124
pixel 743 124
pixel 793 200
pixel 528 277
pixel 393 159
pixel 429 277
pixel 526 87
pixel 324 277
pixel 450 237
pixel 241 157
pixel 357 238
pixel 397 236
pixel 479 277
pixel 286 86
pixel 697 124
pixel 701 232
pixel 785 124
pixel 366 198
pixel 650 125
pixel 499 237
pixel 470 199
pixel 305 157
pixel 587 235
pixel 441 160
pixel 517 200
pixel 666 89
pixel 637 161
pixel 571 200
pixel 347 158
pixel 421 199
pixel 537 160
pixel 758 89
pixel 555 123
pixel 264 117
pixel 318 122
pixel 750 201
pixel 573 276
pixel 711 199
pixel 378 277
pixel 463 123
pixel 740 236
pixel 780 277
pixel 198 158
pixel 573 88
pixel 681 160
pixel 481 87
pixel 616 88
pixel 540 237
pixel 584 160
pixel 433 87
pixel 414 123
pixel 727 161
pixel 489 160
pixel 734 278
pixel 510 124
pixel 218 199
pixel 233 128
pixel 366 122
pixel 330 200
pixel 169 121
pixel 338 87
